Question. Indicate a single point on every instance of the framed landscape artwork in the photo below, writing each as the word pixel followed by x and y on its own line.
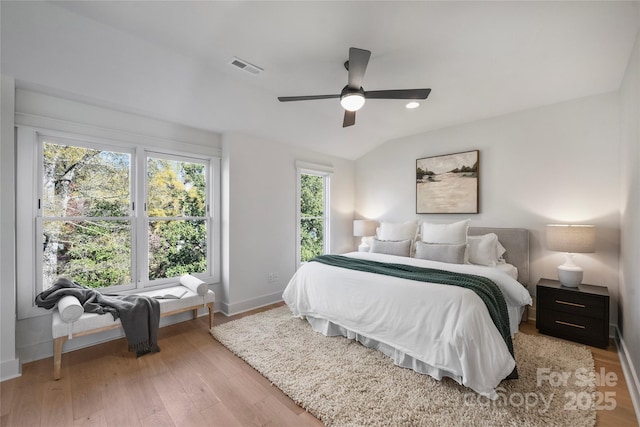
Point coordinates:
pixel 448 184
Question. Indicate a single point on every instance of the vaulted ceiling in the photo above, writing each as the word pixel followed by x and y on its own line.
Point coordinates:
pixel 170 60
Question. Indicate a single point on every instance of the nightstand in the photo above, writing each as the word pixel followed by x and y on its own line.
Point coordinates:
pixel 578 314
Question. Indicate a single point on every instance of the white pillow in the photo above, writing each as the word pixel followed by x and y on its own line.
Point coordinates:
pixel 484 250
pixel 451 234
pixel 501 251
pixel 194 284
pixel 397 231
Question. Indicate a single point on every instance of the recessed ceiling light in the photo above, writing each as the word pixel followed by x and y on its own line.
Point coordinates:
pixel 412 105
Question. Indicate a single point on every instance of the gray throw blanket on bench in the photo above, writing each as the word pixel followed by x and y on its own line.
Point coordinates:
pixel 140 315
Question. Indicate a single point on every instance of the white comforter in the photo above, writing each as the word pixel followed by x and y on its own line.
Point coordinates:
pixel 445 329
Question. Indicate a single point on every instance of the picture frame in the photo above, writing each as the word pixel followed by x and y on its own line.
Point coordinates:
pixel 448 183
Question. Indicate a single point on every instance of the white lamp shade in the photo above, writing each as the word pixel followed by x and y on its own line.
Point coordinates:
pixel 364 227
pixel 571 238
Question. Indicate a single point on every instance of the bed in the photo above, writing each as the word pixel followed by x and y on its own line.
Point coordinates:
pixel 434 329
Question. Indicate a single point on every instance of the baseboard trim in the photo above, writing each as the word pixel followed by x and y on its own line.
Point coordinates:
pixel 250 304
pixel 630 374
pixel 10 369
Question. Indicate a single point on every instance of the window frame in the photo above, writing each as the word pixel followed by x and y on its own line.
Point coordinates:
pixel 29 215
pixel 143 234
pixel 40 218
pixel 303 168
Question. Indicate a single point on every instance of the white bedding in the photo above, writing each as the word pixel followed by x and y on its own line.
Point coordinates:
pixel 509 269
pixel 442 330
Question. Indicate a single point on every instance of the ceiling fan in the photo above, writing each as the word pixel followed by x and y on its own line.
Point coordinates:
pixel 352 97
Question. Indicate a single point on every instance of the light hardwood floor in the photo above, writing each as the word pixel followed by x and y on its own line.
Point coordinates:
pixel 607 362
pixel 192 381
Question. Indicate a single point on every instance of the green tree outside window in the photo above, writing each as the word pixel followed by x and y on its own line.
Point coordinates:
pixel 312 216
pixel 88 227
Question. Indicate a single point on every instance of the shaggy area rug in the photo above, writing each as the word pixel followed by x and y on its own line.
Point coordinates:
pixel 343 383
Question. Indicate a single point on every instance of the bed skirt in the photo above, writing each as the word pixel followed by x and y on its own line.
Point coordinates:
pixel 401 359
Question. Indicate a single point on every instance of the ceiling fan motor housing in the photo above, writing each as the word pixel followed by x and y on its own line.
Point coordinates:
pixel 348 91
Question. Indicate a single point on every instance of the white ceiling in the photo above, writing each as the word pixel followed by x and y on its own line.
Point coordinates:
pixel 480 59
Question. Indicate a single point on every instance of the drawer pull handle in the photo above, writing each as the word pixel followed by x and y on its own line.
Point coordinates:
pixel 570 324
pixel 570 303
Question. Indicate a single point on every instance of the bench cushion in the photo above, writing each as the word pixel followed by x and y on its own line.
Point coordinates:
pixel 91 321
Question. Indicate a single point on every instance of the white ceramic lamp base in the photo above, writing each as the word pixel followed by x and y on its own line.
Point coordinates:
pixel 569 274
pixel 364 246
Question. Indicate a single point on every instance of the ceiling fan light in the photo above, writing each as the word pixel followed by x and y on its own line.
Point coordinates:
pixel 352 101
pixel 413 104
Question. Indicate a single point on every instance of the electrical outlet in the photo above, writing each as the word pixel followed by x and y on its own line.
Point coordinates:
pixel 272 277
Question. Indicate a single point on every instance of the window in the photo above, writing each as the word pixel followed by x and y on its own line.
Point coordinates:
pixel 313 213
pixel 85 220
pixel 177 219
pixel 113 215
pixel 88 216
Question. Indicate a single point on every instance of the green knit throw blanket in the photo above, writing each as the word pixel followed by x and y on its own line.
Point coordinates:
pixel 486 289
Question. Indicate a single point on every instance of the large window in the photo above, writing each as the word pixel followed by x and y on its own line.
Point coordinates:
pixel 313 214
pixel 177 217
pixel 89 219
pixel 85 214
pixel 112 215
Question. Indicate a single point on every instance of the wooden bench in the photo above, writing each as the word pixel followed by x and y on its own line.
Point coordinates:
pixel 91 323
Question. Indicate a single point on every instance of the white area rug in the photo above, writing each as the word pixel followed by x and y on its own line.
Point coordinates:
pixel 343 383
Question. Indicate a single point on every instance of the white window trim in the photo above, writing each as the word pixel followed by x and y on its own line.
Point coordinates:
pixel 324 171
pixel 28 192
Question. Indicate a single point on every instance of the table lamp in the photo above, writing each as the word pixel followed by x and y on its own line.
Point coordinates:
pixel 570 239
pixel 364 228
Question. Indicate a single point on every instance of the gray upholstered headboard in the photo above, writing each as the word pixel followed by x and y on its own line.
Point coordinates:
pixel 516 242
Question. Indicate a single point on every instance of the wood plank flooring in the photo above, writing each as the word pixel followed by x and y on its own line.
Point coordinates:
pixel 607 362
pixel 193 381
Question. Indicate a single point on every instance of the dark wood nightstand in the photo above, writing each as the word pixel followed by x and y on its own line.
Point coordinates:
pixel 578 314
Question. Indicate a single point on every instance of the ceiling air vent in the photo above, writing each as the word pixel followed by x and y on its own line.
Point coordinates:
pixel 246 66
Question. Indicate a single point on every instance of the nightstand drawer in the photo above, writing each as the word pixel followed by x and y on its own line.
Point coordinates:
pixel 574 303
pixel 587 330
pixel 580 314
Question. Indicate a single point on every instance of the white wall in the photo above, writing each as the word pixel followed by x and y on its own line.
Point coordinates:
pixel 259 216
pixel 629 315
pixel 9 363
pixel 556 164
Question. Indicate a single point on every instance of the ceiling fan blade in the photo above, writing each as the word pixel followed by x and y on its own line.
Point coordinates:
pixel 349 118
pixel 398 94
pixel 306 98
pixel 358 60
